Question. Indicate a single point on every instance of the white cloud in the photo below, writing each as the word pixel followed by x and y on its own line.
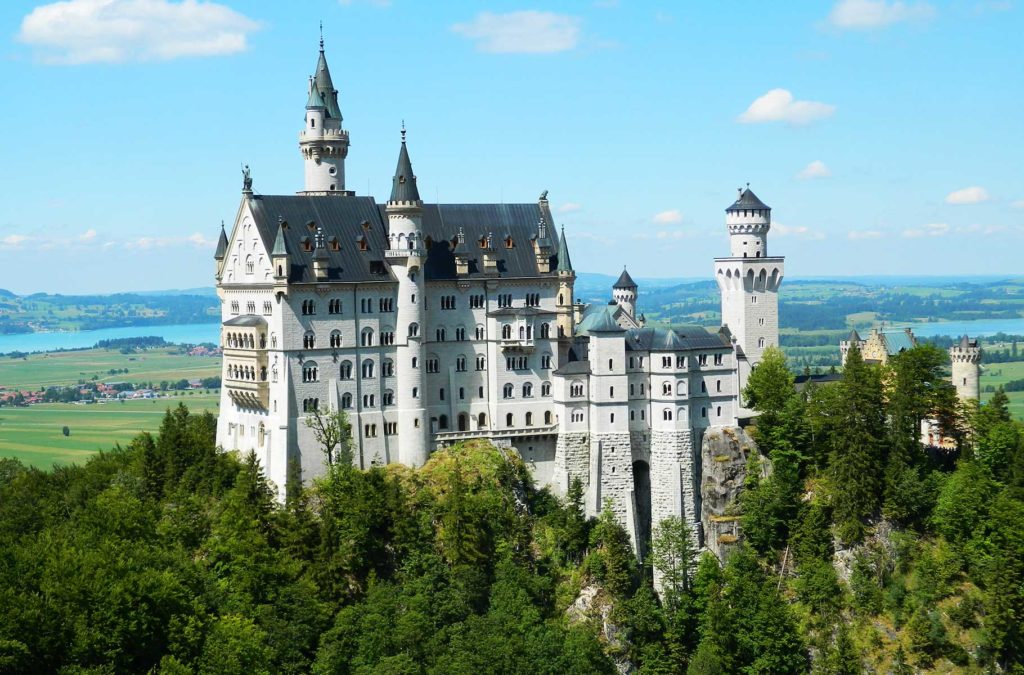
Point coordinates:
pixel 798 231
pixel 669 217
pixel 13 240
pixel 929 230
pixel 868 14
pixel 815 169
pixel 146 243
pixel 778 105
pixel 569 207
pixel 1019 204
pixel 111 31
pixel 88 235
pixel 522 32
pixel 857 235
pixel 671 234
pixel 968 195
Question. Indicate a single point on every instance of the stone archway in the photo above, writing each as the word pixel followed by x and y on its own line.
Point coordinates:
pixel 642 498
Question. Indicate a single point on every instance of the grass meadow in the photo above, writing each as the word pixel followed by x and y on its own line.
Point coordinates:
pixel 34 434
pixel 37 371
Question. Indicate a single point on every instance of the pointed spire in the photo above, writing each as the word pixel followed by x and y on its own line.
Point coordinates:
pixel 564 264
pixel 222 244
pixel 316 100
pixel 625 281
pixel 403 186
pixel 322 82
pixel 280 245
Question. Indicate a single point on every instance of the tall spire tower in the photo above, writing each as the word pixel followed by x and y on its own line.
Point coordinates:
pixel 749 281
pixel 406 257
pixel 323 142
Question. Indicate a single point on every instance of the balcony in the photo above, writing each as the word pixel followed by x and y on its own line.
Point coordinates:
pixel 524 345
pixel 249 394
pixel 449 437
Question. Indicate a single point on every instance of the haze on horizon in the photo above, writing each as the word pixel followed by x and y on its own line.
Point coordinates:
pixel 884 134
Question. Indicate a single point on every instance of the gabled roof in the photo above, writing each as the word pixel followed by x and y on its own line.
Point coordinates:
pixel 599 320
pixel 403 185
pixel 854 336
pixel 564 264
pixel 747 201
pixel 625 281
pixel 897 341
pixel 674 339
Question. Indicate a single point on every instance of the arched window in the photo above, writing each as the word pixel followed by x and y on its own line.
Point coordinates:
pixel 387 368
pixel 666 388
pixel 666 415
pixel 310 372
pixel 460 363
pixel 508 420
pixel 346 370
pixel 249 265
pixel 680 388
pixel 442 422
pixel 389 397
pixel 529 419
pixel 414 329
pixel 508 390
pixel 367 368
pixel 481 421
pixel 576 389
pixel 545 330
pixel 577 415
pixel 547 417
pixel 366 337
pixel 335 339
pixel 760 343
pixel 545 389
pixel 309 340
pixel 506 332
pixel 346 401
pixel 527 390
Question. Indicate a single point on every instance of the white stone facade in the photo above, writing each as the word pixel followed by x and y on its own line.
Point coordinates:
pixel 429 324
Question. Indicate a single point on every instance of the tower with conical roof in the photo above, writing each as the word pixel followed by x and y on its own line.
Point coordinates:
pixel 965 357
pixel 749 281
pixel 624 293
pixel 566 282
pixel 406 256
pixel 222 249
pixel 323 142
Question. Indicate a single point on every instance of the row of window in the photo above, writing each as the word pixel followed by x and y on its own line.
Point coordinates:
pixel 576 389
pixel 334 306
pixel 509 390
pixel 244 341
pixel 335 340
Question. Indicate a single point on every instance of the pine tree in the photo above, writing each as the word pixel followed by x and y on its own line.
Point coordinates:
pixel 856 456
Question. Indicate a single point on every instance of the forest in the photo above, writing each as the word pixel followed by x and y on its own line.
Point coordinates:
pixel 861 552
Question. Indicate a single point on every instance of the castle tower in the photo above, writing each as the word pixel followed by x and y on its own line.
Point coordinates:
pixel 624 293
pixel 566 280
pixel 323 143
pixel 966 359
pixel 749 281
pixel 406 257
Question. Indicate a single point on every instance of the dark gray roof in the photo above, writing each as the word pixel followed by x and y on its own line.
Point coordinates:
pixel 403 185
pixel 674 339
pixel 222 243
pixel 246 321
pixel 323 83
pixel 343 216
pixel 316 99
pixel 625 281
pixel 280 244
pixel 442 222
pixel 748 200
pixel 854 336
pixel 967 343
pixel 564 264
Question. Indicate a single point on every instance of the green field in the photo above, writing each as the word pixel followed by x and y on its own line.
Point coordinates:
pixel 33 434
pixel 61 368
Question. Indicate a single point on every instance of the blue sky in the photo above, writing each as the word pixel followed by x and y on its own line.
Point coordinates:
pixel 885 134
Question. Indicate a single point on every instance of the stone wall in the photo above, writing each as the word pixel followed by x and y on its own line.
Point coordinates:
pixel 672 482
pixel 725 452
pixel 572 460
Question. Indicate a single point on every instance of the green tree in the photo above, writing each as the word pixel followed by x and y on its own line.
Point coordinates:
pixel 674 555
pixel 333 433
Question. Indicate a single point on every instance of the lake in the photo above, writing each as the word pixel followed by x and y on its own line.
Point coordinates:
pixel 48 342
pixel 978 328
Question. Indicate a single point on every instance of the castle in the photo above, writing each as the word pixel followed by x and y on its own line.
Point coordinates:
pixel 432 323
pixel 964 357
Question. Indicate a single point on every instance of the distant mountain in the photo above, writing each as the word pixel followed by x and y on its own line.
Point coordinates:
pixel 202 291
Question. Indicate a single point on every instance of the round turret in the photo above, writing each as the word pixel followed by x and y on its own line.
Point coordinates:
pixel 624 293
pixel 748 220
pixel 965 358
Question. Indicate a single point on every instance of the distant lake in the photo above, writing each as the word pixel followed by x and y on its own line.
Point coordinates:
pixel 978 328
pixel 48 342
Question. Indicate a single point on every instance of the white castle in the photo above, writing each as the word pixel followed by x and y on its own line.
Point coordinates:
pixel 432 323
